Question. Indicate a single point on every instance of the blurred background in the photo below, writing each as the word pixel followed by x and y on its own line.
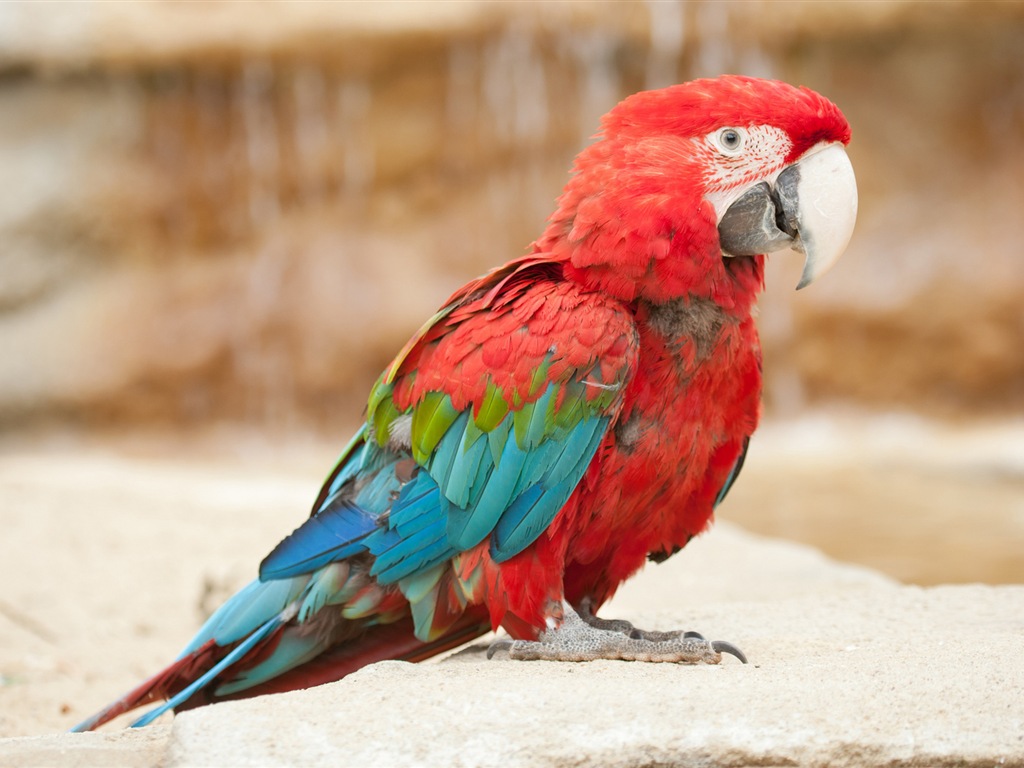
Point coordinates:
pixel 219 221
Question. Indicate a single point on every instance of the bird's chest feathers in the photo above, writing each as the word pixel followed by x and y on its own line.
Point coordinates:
pixel 689 396
pixel 688 330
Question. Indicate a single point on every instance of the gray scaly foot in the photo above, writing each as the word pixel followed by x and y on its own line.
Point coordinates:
pixel 586 638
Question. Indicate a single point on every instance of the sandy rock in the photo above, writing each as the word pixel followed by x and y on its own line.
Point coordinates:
pixel 889 676
pixel 124 749
pixel 848 668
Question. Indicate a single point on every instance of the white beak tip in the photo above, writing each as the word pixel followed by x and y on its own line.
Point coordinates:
pixel 827 191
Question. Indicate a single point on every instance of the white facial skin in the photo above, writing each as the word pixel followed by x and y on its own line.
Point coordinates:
pixel 738 157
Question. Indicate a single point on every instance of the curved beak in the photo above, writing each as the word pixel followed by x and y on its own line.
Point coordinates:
pixel 811 208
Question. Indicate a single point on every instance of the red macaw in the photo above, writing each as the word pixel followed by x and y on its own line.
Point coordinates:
pixel 560 420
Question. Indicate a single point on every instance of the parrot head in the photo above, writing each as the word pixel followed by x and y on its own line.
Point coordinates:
pixel 711 174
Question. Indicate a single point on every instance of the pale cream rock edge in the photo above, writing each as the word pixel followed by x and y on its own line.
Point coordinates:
pixel 847 668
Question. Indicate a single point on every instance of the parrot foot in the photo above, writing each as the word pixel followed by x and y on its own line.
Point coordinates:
pixel 627 628
pixel 586 638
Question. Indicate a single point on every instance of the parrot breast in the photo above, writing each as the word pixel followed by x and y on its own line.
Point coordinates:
pixel 654 483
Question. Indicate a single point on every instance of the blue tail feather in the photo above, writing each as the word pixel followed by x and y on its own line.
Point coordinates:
pixel 236 653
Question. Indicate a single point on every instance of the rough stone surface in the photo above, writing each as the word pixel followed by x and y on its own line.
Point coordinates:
pixel 848 668
pixel 123 749
pixel 880 675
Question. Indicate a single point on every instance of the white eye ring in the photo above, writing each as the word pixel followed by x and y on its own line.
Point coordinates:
pixel 729 141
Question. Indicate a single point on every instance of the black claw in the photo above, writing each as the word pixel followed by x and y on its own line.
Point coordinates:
pixel 694 635
pixel 505 645
pixel 721 646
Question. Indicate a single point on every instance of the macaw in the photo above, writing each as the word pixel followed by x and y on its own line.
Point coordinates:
pixel 560 420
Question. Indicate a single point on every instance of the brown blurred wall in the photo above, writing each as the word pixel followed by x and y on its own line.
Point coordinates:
pixel 239 212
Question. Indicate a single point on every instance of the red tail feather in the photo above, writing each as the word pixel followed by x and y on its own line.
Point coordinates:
pixel 388 641
pixel 161 685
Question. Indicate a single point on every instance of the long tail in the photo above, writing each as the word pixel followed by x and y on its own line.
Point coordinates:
pixel 369 576
pixel 390 641
pixel 187 683
pixel 155 688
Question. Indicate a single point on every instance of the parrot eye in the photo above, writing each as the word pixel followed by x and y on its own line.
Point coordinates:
pixel 729 140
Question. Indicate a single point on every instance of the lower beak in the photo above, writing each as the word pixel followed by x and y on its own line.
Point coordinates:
pixel 811 208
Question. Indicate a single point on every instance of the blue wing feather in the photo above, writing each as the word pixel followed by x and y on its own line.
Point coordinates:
pixel 333 534
pixel 461 499
pixel 513 502
pixel 460 482
pixel 533 510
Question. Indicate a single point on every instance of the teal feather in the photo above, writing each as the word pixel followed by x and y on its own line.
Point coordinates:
pixel 467 528
pixel 497 439
pixel 479 489
pixel 324 588
pixel 538 462
pixel 577 444
pixel 412 519
pixel 416 587
pixel 416 506
pixel 551 475
pixel 255 604
pixel 541 419
pixel 377 493
pixel 587 454
pixel 405 547
pixel 293 649
pixel 425 557
pixel 440 462
pixel 459 485
pixel 526 519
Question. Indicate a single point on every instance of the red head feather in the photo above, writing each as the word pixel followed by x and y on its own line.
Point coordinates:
pixel 699 107
pixel 635 222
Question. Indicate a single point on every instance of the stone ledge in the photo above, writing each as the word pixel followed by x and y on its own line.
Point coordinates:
pixel 886 676
pixel 847 668
pixel 139 748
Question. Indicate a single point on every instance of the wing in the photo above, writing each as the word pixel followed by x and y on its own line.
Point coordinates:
pixel 481 428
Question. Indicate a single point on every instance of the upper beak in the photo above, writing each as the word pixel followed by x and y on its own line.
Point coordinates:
pixel 811 208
